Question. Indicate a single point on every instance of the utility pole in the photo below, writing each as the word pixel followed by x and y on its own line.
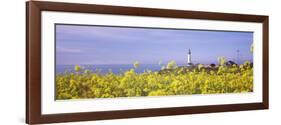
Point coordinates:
pixel 237 61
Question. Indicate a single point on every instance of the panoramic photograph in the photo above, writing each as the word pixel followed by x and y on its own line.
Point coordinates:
pixel 113 61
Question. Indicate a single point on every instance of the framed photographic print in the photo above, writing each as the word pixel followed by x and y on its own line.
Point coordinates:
pixel 94 62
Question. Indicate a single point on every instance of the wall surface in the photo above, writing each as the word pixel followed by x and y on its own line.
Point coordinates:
pixel 12 62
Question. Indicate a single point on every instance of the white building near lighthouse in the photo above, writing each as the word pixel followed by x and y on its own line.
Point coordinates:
pixel 189 63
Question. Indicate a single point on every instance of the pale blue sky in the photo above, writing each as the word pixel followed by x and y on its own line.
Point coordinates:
pixel 122 45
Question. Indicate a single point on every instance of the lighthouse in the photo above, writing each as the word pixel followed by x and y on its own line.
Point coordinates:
pixel 189 58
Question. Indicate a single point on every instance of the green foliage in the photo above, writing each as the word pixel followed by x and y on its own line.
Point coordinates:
pixel 172 65
pixel 222 61
pixel 136 64
pixel 87 84
pixel 252 48
pixel 77 68
pixel 200 66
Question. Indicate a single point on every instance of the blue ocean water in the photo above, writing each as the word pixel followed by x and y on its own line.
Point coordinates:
pixel 115 68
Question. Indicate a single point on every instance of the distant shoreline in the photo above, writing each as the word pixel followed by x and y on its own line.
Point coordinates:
pixel 118 68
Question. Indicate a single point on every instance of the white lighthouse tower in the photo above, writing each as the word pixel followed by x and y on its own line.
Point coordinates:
pixel 189 58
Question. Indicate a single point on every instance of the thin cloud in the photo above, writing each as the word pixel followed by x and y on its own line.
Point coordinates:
pixel 68 50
